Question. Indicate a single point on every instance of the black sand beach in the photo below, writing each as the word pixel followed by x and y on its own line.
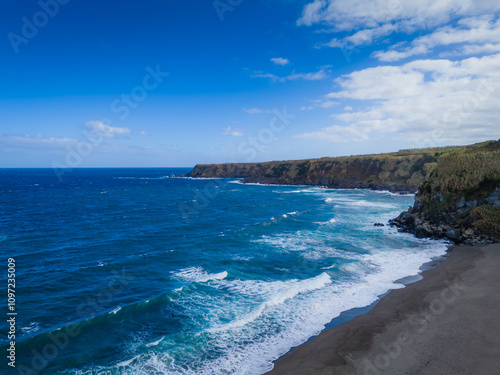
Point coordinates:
pixel 446 323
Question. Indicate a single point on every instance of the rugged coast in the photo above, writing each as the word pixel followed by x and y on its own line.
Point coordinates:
pixel 460 200
pixel 458 195
pixel 399 172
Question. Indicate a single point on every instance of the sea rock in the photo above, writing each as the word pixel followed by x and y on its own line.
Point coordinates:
pixel 379 225
pixel 461 203
pixel 424 230
pixel 469 232
pixel 471 203
pixel 494 198
pixel 451 234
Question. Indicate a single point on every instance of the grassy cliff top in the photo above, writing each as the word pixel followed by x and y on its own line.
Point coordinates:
pixel 472 173
pixel 434 152
pixel 402 171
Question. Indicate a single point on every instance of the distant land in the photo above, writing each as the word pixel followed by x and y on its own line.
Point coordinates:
pixel 403 171
pixel 458 187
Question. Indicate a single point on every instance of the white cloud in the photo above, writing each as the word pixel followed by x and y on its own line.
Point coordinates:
pixel 36 140
pixel 326 104
pixel 233 132
pixel 473 31
pixel 107 131
pixel 362 37
pixel 431 102
pixel 254 111
pixel 259 74
pixel 143 133
pixel 315 76
pixel 320 103
pixel 280 61
pixel 407 14
pixel 467 25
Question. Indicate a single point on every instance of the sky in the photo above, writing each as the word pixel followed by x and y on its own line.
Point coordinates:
pixel 163 83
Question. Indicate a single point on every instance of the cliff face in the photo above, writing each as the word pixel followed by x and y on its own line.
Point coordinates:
pixel 461 198
pixel 403 171
pixel 458 187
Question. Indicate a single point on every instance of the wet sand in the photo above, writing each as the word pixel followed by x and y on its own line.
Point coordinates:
pixel 446 323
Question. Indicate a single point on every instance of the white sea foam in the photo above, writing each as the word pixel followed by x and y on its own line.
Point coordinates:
pixel 329 268
pixel 199 275
pixel 276 293
pixel 115 310
pixel 31 328
pixel 312 190
pixel 342 200
pixel 287 314
pixel 331 221
pixel 155 343
pixel 127 363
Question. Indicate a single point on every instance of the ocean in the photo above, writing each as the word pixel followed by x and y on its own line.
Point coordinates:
pixel 132 271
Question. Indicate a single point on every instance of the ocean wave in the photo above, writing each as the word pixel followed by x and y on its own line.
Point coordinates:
pixel 331 221
pixel 278 293
pixel 115 310
pixel 358 202
pixel 199 275
pixel 154 343
pixel 31 328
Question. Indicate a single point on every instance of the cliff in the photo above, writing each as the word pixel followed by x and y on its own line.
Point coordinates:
pixel 461 198
pixel 401 171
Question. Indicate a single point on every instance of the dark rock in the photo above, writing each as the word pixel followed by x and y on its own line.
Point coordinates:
pixel 452 234
pixel 461 203
pixel 379 225
pixel 469 232
pixel 494 198
pixel 423 231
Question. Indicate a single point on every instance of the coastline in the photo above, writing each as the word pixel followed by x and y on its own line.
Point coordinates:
pixel 428 327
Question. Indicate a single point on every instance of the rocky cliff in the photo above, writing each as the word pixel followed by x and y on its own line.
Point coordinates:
pixel 461 198
pixel 402 171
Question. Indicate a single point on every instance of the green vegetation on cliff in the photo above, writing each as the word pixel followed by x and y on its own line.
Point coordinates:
pixel 472 174
pixel 460 199
pixel 402 171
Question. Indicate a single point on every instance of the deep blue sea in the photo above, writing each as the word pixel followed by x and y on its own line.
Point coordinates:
pixel 130 271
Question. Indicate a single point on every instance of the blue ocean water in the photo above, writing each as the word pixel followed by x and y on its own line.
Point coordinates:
pixel 130 271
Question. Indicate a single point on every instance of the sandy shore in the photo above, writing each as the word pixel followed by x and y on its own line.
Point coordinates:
pixel 446 323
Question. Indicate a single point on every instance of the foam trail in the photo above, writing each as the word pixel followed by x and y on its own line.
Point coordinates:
pixel 199 275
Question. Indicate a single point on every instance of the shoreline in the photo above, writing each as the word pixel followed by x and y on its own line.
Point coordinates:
pixel 405 328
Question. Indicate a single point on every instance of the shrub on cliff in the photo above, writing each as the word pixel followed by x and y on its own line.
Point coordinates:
pixel 473 175
pixel 487 219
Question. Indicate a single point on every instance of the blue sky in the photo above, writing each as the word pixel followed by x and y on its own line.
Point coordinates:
pixel 175 83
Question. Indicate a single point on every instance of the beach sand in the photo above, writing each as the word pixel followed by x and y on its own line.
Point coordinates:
pixel 446 323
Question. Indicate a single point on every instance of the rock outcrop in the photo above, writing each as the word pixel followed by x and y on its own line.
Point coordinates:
pixel 460 200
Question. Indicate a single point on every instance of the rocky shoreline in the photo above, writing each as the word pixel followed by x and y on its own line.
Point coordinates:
pixel 454 223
